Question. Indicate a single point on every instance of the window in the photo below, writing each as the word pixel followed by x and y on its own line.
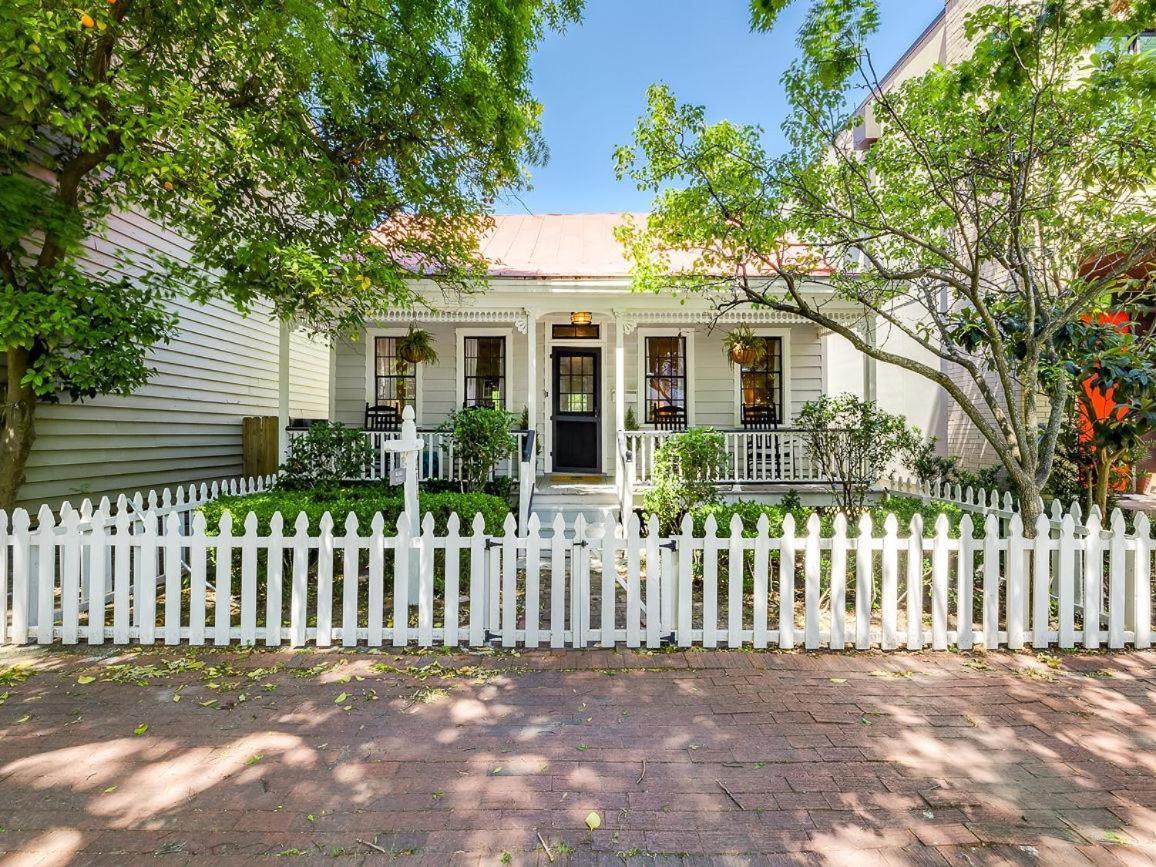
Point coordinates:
pixel 665 385
pixel 575 332
pixel 577 393
pixel 485 370
pixel 395 379
pixel 761 385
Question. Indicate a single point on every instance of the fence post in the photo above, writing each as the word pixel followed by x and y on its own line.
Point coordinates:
pixel 1042 582
pixel 409 448
pixel 1116 590
pixel 1016 580
pixel 70 578
pixel 991 540
pixel 684 600
pixel 558 582
pixel 656 622
pixel 45 574
pixel 710 581
pixel 479 577
pixel 761 582
pixel 890 583
pixel 939 585
pixel 787 549
pixel 965 582
pixel 811 584
pixel 735 568
pixel 1093 579
pixel 915 584
pixel 1142 587
pixel 864 581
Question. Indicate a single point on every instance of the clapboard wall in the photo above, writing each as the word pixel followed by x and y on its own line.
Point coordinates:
pixel 184 425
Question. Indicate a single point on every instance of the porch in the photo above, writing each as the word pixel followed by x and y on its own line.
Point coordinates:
pixel 599 389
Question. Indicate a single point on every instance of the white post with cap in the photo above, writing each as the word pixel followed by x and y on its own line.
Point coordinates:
pixel 409 447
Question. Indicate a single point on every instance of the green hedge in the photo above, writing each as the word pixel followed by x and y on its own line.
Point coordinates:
pixel 364 501
pixel 904 509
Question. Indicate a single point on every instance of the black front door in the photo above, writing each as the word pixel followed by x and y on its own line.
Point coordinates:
pixel 577 405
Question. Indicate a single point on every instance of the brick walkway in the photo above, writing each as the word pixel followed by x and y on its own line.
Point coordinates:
pixel 693 757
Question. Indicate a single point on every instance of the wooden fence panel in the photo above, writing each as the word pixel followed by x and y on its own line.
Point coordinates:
pixel 134 566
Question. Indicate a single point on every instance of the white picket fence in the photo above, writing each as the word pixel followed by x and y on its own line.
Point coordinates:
pixel 149 572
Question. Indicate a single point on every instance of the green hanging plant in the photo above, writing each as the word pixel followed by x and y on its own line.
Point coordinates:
pixel 744 347
pixel 417 347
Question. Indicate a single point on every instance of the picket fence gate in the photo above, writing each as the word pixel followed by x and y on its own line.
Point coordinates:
pixel 149 571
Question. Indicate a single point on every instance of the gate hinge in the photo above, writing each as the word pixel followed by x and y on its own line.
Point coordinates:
pixel 491 542
pixel 668 640
pixel 669 544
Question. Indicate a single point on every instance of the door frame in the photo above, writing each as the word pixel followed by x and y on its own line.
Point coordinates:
pixel 600 398
pixel 601 344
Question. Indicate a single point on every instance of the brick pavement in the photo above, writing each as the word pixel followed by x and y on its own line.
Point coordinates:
pixel 334 757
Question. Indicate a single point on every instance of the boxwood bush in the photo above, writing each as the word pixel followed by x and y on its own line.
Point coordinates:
pixel 904 509
pixel 364 501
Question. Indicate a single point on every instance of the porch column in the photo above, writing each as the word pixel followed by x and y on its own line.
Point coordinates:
pixel 283 390
pixel 532 386
pixel 619 375
pixel 870 371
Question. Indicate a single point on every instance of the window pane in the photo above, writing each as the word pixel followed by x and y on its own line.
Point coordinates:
pixel 761 385
pixel 665 397
pixel 395 378
pixel 485 371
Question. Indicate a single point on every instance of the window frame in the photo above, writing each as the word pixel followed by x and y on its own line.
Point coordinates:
pixel 461 334
pixel 371 335
pixel 687 335
pixel 787 410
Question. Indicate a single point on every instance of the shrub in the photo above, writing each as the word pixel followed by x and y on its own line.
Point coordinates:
pixel 324 456
pixel 853 442
pixel 904 509
pixel 364 501
pixel 481 438
pixel 920 459
pixel 685 469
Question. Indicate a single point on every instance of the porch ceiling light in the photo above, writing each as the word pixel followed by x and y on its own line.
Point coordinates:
pixel 580 317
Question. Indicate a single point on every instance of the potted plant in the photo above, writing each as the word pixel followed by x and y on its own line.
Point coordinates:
pixel 417 347
pixel 743 347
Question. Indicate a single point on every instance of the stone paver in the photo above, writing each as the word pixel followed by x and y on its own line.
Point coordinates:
pixel 696 757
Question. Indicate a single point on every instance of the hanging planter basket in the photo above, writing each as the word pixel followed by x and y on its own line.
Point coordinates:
pixel 744 356
pixel 743 347
pixel 417 347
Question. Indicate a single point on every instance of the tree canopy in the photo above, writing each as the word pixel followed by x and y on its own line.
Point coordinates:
pixel 271 135
pixel 1003 199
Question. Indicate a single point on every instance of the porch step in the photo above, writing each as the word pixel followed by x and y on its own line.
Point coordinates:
pixel 571 511
pixel 593 504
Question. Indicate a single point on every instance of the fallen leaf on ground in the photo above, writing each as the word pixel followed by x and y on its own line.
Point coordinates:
pixel 85 678
pixel 141 729
pixel 593 821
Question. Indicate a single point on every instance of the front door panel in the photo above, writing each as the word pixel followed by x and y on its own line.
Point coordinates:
pixel 577 409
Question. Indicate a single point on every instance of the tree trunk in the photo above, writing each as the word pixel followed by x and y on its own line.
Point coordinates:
pixel 1030 507
pixel 18 432
pixel 1102 482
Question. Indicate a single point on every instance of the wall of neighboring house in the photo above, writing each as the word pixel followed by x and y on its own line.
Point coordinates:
pixel 184 425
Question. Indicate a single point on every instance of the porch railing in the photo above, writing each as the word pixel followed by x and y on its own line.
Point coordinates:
pixel 762 456
pixel 437 456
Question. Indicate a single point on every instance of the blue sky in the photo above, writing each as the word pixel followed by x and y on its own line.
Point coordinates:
pixel 592 81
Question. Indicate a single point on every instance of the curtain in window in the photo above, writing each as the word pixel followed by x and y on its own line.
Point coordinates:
pixel 665 379
pixel 395 379
pixel 485 366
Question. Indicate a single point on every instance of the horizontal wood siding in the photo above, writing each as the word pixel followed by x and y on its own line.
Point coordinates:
pixel 439 385
pixel 184 425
